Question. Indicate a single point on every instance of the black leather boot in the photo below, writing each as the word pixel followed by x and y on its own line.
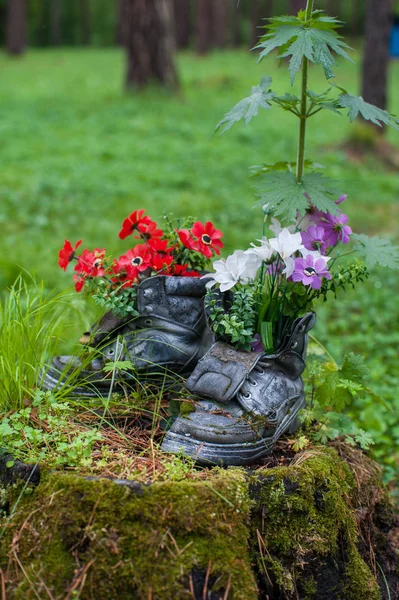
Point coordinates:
pixel 253 399
pixel 170 335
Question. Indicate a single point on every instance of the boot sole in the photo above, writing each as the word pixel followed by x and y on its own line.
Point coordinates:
pixel 242 454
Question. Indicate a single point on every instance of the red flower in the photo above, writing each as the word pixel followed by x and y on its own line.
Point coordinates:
pixel 91 263
pixel 138 222
pixel 67 253
pixel 134 261
pixel 183 271
pixel 160 253
pixel 80 280
pixel 202 238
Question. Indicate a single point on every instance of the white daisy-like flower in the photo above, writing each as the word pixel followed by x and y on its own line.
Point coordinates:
pixel 264 251
pixel 286 243
pixel 239 267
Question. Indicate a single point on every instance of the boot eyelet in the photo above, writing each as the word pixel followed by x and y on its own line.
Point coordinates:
pixel 246 395
pixel 110 351
pixel 253 383
pixel 294 345
pixel 148 322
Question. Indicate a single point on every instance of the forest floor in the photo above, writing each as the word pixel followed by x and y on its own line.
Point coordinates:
pixel 78 155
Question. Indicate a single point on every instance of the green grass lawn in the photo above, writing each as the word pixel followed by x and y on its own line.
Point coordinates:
pixel 78 155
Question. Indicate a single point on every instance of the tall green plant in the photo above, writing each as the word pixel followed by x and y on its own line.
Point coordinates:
pixel 31 324
pixel 286 188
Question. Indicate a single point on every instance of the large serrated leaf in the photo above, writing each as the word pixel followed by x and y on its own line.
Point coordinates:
pixel 376 251
pixel 315 39
pixel 285 196
pixel 248 107
pixel 369 112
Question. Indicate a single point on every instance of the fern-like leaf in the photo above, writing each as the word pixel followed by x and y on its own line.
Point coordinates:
pixel 376 251
pixel 357 106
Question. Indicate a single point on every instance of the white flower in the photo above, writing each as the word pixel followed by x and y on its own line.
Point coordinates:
pixel 277 229
pixel 264 251
pixel 239 267
pixel 315 253
pixel 289 266
pixel 286 243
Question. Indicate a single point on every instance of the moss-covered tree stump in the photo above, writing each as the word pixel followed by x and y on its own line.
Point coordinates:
pixel 320 527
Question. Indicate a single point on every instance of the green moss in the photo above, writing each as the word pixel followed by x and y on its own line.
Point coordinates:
pixel 131 543
pixel 304 518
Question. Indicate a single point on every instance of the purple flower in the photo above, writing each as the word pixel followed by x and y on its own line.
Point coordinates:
pixel 256 345
pixel 314 238
pixel 341 199
pixel 336 230
pixel 310 271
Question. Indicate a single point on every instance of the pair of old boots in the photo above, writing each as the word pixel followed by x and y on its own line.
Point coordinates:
pixel 248 399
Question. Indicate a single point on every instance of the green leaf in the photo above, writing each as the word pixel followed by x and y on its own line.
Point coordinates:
pixel 353 368
pixel 248 107
pixel 266 334
pixel 369 112
pixel 285 196
pixel 323 101
pixel 315 39
pixel 376 251
pixel 282 165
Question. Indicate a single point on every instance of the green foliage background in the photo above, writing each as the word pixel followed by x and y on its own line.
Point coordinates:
pixel 78 154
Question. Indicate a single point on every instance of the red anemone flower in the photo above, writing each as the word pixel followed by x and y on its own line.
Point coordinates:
pixel 91 263
pixel 183 271
pixel 79 280
pixel 205 239
pixel 67 253
pixel 138 221
pixel 135 261
pixel 160 253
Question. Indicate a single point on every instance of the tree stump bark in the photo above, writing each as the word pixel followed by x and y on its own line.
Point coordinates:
pixel 317 525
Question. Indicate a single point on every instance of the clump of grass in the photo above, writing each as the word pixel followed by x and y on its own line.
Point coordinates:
pixel 31 324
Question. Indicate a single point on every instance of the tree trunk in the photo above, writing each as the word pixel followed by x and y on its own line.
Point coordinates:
pixel 182 11
pixel 218 23
pixel 85 13
pixel 376 52
pixel 269 5
pixel 236 22
pixel 56 10
pixel 333 7
pixel 204 26
pixel 16 26
pixel 150 43
pixel 296 6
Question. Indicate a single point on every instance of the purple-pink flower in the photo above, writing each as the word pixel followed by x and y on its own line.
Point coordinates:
pixel 310 271
pixel 336 229
pixel 314 238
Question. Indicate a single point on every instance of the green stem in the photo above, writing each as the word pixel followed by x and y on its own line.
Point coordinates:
pixel 304 109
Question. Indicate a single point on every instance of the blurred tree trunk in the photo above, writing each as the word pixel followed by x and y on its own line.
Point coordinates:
pixel 16 26
pixel 376 52
pixel 333 7
pixel 182 12
pixel 236 22
pixel 56 9
pixel 296 6
pixel 149 42
pixel 204 26
pixel 218 23
pixel 85 21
